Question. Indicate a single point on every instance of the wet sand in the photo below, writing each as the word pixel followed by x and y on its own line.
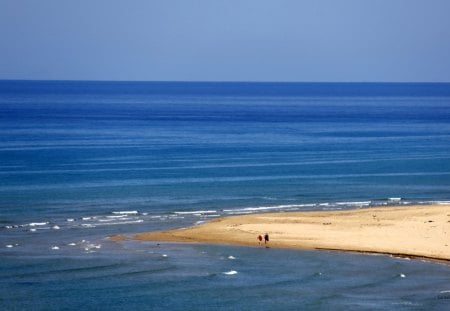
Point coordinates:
pixel 412 231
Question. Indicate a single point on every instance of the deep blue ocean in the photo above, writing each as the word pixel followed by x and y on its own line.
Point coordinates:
pixel 80 161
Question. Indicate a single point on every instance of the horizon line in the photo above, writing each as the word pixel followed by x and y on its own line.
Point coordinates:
pixel 229 81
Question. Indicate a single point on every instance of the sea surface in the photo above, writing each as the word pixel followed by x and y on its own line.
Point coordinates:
pixel 81 161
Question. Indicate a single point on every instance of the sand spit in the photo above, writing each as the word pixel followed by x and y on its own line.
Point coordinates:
pixel 411 231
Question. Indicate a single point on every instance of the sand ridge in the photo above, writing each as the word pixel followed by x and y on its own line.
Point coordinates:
pixel 415 231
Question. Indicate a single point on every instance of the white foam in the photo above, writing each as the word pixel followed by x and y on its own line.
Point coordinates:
pixel 126 213
pixel 90 246
pixel 324 205
pixel 307 205
pixel 164 255
pixel 9 246
pixel 231 257
pixel 56 227
pixel 72 244
pixel 402 275
pixel 33 230
pixel 114 219
pixel 120 223
pixel 263 208
pixel 239 213
pixel 444 292
pixel 442 202
pixel 232 272
pixel 34 224
pixel 55 247
pixel 112 222
pixel 70 219
pixel 395 199
pixel 198 213
pixel 360 203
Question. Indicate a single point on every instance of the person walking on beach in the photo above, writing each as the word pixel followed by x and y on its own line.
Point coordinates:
pixel 266 239
pixel 259 239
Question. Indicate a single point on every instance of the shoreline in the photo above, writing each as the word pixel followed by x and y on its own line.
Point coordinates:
pixel 413 231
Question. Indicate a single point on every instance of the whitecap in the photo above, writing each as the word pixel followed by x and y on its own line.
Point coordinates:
pixel 126 212
pixel 395 199
pixel 164 255
pixel 70 219
pixel 56 227
pixel 263 208
pixel 34 224
pixel 231 272
pixel 33 230
pixel 9 246
pixel 72 244
pixel 88 246
pixel 402 275
pixel 182 217
pixel 116 216
pixel 196 213
pixel 55 247
pixel 357 203
pixel 115 223
pixel 442 202
pixel 239 213
pixel 114 219
pixel 231 257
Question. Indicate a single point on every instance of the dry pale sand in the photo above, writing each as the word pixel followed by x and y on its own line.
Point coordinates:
pixel 414 231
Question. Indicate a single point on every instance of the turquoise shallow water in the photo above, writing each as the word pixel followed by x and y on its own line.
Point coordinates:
pixel 83 160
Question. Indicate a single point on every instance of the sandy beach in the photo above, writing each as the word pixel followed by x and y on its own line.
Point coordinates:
pixel 413 231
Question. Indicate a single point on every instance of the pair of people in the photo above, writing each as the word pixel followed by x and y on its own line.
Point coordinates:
pixel 266 239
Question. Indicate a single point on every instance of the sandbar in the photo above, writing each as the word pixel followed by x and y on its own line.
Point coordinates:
pixel 410 231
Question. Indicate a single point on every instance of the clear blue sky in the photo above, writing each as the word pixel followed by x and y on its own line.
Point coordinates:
pixel 226 40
